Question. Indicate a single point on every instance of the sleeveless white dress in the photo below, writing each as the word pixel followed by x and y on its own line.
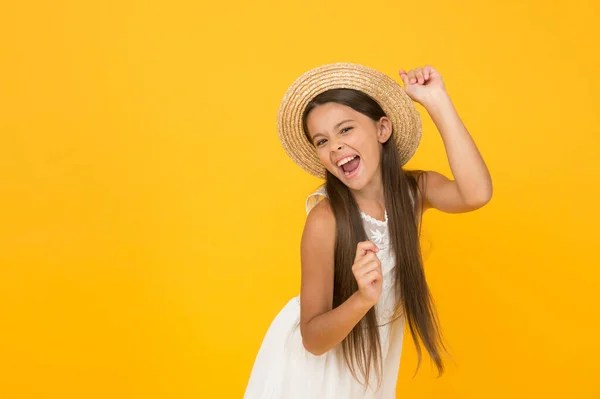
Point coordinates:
pixel 284 369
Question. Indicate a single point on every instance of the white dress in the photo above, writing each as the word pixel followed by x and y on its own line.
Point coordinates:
pixel 284 369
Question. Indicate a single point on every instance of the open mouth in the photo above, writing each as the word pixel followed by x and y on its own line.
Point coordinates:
pixel 349 165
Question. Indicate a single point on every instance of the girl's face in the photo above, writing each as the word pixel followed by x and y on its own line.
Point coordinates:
pixel 348 143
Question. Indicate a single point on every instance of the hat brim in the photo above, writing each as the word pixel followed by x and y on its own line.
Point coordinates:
pixel 397 105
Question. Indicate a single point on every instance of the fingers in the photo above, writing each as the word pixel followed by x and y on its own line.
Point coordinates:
pixel 366 267
pixel 363 248
pixel 370 257
pixel 411 77
pixel 427 71
pixel 359 269
pixel 404 77
pixel 373 276
pixel 417 75
pixel 369 267
pixel 368 273
pixel 365 260
pixel 430 70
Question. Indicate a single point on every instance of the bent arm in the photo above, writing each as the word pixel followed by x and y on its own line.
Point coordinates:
pixel 322 327
pixel 471 187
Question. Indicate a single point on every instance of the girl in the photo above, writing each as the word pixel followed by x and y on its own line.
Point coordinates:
pixel 362 272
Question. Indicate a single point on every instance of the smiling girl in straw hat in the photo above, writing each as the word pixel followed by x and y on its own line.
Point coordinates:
pixel 362 272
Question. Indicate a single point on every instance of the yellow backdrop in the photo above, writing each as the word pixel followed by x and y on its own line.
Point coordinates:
pixel 150 221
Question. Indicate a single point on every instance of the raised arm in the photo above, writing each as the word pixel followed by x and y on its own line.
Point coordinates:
pixel 471 185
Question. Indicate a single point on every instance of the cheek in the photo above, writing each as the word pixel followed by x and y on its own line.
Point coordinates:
pixel 323 156
pixel 363 141
pixel 362 144
pixel 370 150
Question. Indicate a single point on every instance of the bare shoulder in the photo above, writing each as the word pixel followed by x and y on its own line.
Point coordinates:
pixel 318 237
pixel 320 222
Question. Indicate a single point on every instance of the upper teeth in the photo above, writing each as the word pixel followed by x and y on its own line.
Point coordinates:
pixel 345 160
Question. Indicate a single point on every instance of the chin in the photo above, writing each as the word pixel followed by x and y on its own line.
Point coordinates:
pixel 355 183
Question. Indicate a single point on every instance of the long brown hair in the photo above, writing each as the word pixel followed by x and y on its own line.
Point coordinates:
pixel 362 346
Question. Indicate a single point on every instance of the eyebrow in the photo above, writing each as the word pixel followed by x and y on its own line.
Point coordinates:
pixel 335 127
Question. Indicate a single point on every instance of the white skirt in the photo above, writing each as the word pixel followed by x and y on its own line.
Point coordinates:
pixel 284 369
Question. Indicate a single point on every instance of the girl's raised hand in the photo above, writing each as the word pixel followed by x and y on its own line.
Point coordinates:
pixel 422 84
pixel 367 272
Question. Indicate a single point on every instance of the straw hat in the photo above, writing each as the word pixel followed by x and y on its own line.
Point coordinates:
pixel 392 98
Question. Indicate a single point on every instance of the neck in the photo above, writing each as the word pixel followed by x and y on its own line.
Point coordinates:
pixel 371 199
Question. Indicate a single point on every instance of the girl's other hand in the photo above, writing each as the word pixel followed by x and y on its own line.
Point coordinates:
pixel 367 272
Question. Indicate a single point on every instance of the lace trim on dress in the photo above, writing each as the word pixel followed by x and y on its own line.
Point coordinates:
pixel 376 222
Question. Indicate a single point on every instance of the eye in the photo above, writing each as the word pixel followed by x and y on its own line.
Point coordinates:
pixel 320 142
pixel 344 130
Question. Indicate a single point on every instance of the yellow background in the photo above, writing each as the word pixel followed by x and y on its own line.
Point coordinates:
pixel 150 221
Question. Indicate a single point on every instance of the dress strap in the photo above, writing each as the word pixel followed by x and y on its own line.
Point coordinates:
pixel 314 198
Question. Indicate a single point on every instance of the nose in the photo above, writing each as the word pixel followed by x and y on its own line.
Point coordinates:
pixel 337 146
